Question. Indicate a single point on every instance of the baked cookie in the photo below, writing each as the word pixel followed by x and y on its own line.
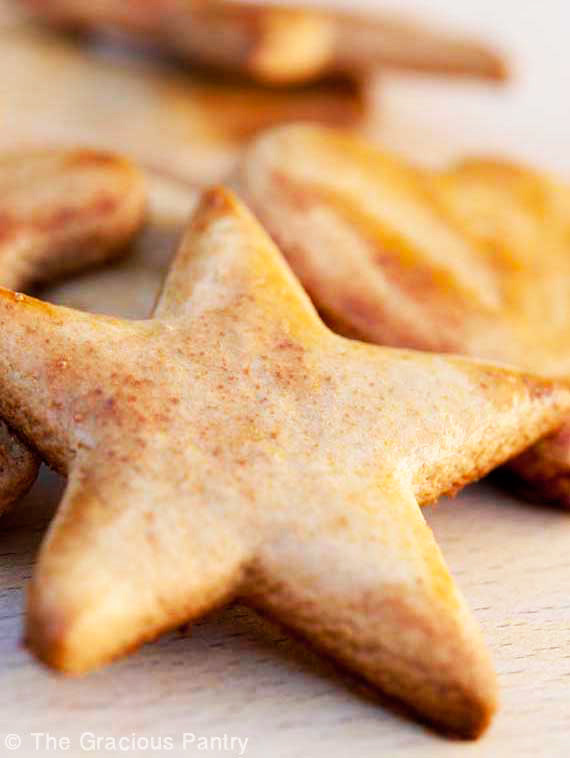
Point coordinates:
pixel 278 44
pixel 18 468
pixel 59 212
pixel 190 125
pixel 129 287
pixel 475 260
pixel 233 446
pixel 64 210
pixel 11 14
pixel 522 219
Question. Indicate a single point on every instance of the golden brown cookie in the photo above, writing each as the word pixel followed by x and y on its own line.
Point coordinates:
pixel 11 14
pixel 129 287
pixel 475 260
pixel 59 212
pixel 187 124
pixel 63 210
pixel 522 218
pixel 233 446
pixel 18 468
pixel 278 44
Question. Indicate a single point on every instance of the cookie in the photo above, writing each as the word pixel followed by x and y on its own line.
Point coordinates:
pixel 64 210
pixel 18 468
pixel 188 125
pixel 233 446
pixel 279 44
pixel 60 211
pixel 474 260
pixel 522 219
pixel 129 287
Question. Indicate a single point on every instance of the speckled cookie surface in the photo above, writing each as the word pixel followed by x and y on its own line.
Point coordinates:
pixel 60 211
pixel 233 446
pixel 129 287
pixel 474 260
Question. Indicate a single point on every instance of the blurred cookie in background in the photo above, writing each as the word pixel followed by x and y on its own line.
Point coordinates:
pixel 278 44
pixel 128 288
pixel 473 260
pixel 12 14
pixel 60 211
pixel 57 91
pixel 245 68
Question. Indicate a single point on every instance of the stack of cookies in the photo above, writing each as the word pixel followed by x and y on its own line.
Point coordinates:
pixel 255 403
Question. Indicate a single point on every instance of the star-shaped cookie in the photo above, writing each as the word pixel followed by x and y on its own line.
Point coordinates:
pixel 475 260
pixel 232 446
pixel 60 211
pixel 278 43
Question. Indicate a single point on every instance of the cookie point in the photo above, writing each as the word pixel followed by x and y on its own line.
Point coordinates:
pixel 474 718
pixel 218 199
pixel 46 633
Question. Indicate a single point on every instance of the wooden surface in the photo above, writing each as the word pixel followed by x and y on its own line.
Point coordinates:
pixel 235 675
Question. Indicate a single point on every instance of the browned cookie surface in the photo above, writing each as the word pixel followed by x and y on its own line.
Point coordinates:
pixel 188 124
pixel 233 445
pixel 18 468
pixel 129 287
pixel 279 44
pixel 473 260
pixel 60 211
pixel 64 210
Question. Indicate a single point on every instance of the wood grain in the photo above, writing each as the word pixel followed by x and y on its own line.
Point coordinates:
pixel 236 674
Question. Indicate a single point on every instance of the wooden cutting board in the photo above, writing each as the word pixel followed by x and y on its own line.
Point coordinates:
pixel 234 675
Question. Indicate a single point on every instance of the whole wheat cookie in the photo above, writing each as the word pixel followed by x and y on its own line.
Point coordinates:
pixel 474 260
pixel 64 210
pixel 18 468
pixel 129 287
pixel 233 446
pixel 60 211
pixel 277 43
